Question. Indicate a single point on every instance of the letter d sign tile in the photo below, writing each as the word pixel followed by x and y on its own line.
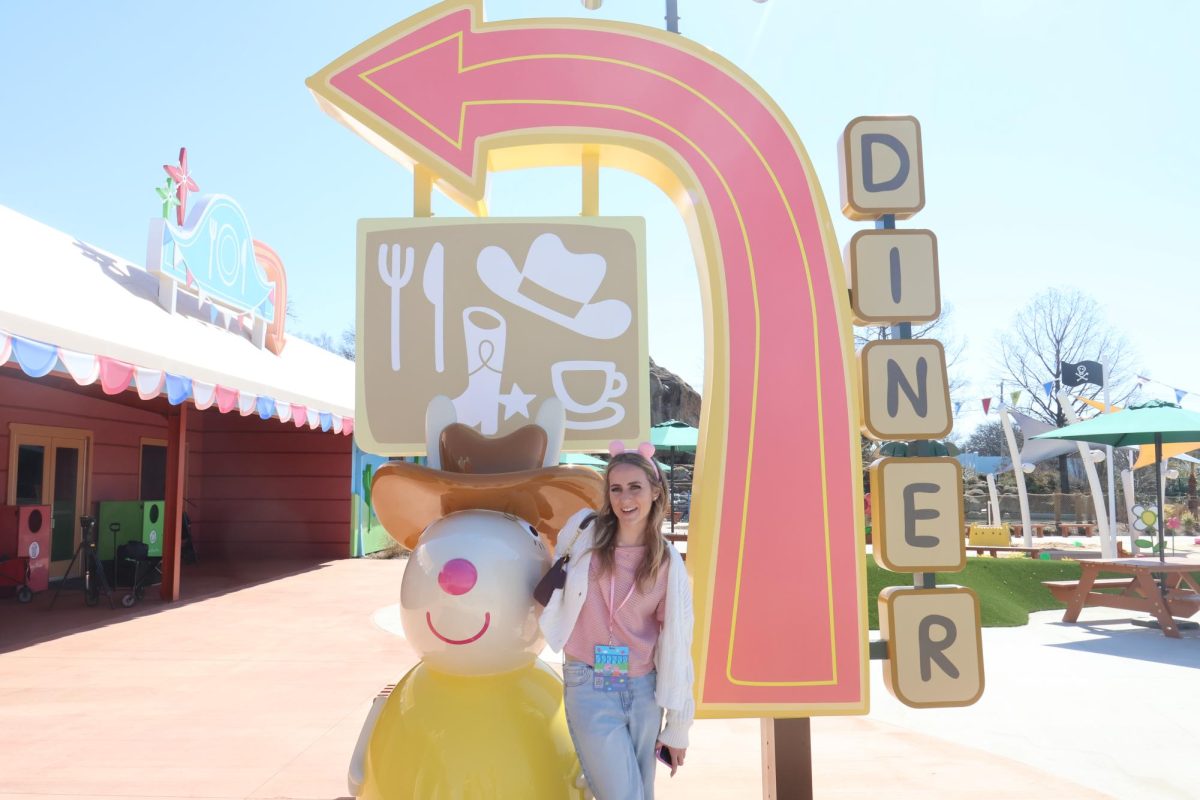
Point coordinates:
pixel 882 173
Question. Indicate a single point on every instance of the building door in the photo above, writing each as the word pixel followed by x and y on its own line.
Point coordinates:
pixel 48 466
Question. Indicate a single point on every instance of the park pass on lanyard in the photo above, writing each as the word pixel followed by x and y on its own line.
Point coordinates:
pixel 611 661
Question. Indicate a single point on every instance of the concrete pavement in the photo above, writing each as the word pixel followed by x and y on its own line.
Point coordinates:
pixel 256 686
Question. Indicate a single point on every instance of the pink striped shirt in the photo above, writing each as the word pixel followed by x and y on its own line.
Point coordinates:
pixel 635 624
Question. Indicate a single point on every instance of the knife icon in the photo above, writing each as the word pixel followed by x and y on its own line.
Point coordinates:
pixel 433 283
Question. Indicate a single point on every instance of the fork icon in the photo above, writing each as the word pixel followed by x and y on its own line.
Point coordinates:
pixel 396 277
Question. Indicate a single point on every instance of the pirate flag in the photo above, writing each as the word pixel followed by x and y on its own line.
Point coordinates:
pixel 1081 373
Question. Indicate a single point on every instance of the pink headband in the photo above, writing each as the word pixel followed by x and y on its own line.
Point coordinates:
pixel 645 449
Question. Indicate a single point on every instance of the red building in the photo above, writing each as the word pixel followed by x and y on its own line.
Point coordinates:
pixel 121 383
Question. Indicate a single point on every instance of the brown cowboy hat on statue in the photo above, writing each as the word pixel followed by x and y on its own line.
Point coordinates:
pixel 516 474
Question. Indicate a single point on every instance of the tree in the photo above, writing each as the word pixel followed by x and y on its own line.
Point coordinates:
pixel 343 346
pixel 1062 324
pixel 988 440
pixel 941 329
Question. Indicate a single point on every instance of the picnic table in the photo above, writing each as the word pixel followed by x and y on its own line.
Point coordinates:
pixel 1137 589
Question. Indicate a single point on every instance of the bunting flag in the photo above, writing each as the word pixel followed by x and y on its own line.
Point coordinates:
pixel 1048 388
pixel 247 403
pixel 35 359
pixel 179 389
pixel 265 407
pixel 957 406
pixel 1016 395
pixel 226 399
pixel 149 382
pixel 213 314
pixel 987 403
pixel 115 375
pixel 84 369
pixel 38 359
pixel 1179 395
pixel 203 394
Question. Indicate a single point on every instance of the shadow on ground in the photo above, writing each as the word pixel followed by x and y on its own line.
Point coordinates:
pixel 1142 644
pixel 23 625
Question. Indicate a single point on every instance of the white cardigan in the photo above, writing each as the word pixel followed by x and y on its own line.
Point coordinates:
pixel 673 654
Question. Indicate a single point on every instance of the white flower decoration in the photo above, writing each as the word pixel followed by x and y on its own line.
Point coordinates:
pixel 1145 517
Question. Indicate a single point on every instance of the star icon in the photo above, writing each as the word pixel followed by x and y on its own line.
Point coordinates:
pixel 183 183
pixel 516 402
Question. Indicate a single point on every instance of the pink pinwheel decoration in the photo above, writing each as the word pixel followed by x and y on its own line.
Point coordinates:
pixel 184 183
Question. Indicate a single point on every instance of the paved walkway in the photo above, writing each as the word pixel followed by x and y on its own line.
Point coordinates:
pixel 256 686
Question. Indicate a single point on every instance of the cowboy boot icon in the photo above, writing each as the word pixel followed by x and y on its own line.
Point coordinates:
pixel 479 404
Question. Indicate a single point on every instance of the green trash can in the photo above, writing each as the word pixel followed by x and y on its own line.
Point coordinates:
pixel 139 521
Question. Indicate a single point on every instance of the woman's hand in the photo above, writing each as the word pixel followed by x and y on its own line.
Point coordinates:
pixel 677 755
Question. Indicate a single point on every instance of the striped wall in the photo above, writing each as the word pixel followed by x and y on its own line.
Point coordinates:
pixel 257 488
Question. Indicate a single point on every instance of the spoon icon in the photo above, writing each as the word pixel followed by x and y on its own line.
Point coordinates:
pixel 391 273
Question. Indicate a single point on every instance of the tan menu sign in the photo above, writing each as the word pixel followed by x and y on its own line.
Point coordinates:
pixel 500 315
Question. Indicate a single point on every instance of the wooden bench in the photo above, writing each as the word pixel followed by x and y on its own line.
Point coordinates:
pixel 1036 528
pixel 1062 590
pixel 995 551
pixel 1079 529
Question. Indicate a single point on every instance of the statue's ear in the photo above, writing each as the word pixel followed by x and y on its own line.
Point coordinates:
pixel 553 420
pixel 439 415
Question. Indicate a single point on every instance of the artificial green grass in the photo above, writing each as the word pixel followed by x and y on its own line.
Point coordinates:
pixel 1008 588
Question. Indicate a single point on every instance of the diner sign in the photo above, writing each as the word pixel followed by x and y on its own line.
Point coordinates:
pixel 934 651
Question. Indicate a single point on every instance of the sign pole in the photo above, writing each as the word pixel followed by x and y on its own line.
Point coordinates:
pixel 788 777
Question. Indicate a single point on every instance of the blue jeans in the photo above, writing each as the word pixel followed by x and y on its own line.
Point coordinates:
pixel 614 733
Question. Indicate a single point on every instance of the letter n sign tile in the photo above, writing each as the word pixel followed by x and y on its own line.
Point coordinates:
pixel 935 652
pixel 905 391
pixel 881 168
pixel 917 524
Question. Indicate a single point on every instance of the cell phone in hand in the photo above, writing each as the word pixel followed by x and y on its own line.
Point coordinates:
pixel 664 755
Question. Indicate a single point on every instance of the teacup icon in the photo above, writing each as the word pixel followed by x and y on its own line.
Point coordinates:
pixel 614 385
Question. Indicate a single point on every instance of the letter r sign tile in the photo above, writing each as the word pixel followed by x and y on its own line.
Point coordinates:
pixel 881 168
pixel 935 652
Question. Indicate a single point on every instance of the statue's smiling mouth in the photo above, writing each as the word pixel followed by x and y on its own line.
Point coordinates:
pixel 487 620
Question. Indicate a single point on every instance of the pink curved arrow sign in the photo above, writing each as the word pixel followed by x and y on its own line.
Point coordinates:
pixel 774 547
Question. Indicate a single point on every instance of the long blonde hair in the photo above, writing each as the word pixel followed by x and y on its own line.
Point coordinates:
pixel 605 542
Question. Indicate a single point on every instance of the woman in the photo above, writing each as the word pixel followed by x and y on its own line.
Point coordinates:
pixel 624 620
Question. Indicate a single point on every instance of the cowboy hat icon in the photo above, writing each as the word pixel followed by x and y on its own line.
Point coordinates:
pixel 557 285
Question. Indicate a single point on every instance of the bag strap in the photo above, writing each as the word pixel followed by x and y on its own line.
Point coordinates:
pixel 588 520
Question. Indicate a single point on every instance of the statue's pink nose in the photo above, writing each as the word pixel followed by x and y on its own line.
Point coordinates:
pixel 458 576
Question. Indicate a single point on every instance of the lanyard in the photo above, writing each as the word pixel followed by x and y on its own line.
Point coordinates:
pixel 612 596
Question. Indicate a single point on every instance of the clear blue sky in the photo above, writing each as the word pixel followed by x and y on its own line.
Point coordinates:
pixel 1057 144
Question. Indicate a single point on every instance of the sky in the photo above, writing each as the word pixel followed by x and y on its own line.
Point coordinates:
pixel 1056 136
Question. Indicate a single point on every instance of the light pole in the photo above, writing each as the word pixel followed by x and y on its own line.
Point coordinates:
pixel 672 16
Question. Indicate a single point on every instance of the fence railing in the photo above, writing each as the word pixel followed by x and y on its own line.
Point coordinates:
pixel 1075 507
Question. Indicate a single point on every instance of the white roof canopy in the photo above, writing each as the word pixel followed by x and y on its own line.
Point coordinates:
pixel 60 291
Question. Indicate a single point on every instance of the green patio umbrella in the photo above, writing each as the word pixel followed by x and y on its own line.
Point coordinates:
pixel 674 435
pixel 584 459
pixel 1155 422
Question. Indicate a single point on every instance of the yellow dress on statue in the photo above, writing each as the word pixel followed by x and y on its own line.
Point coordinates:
pixel 482 737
